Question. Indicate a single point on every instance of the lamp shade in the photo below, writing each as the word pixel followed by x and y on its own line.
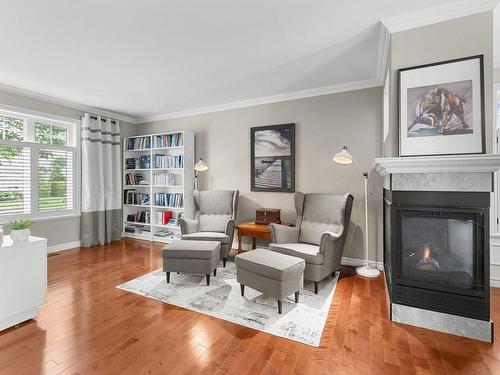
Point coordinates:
pixel 343 157
pixel 201 166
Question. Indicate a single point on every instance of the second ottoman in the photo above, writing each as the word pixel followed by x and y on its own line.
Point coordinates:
pixel 273 274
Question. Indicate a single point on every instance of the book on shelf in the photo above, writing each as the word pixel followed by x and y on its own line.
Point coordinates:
pixel 145 162
pixel 130 163
pixel 138 143
pixel 169 199
pixel 164 179
pixel 130 196
pixel 140 217
pixel 168 161
pixel 135 179
pixel 168 140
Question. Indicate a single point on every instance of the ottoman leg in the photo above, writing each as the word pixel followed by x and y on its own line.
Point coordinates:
pixel 242 288
pixel 316 287
pixel 279 306
pixel 208 279
pixel 297 297
pixel 215 272
pixel 168 277
pixel 224 262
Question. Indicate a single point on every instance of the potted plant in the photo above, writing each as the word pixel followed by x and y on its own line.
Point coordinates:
pixel 20 230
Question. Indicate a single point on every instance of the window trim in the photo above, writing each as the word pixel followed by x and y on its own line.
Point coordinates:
pixel 73 126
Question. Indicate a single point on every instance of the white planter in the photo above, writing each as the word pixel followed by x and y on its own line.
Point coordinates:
pixel 20 235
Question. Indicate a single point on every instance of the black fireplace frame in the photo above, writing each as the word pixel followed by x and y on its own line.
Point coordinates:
pixel 472 303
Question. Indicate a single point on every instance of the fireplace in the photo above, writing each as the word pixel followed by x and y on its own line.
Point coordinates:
pixel 437 251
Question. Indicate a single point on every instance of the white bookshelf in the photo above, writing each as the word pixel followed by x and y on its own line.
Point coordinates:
pixel 183 184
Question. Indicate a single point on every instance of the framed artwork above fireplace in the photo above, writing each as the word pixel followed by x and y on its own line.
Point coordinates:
pixel 441 108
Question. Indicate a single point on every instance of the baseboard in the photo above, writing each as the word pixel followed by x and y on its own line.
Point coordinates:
pixel 355 262
pixel 495 282
pixel 63 247
pixel 346 261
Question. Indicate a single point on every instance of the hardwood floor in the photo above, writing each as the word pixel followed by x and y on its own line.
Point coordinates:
pixel 88 326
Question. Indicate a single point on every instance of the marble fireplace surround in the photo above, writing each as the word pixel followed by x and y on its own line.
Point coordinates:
pixel 472 173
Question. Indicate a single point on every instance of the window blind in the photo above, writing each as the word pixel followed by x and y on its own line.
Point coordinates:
pixel 55 180
pixel 15 181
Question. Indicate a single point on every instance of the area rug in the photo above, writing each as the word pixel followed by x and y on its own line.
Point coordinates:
pixel 303 322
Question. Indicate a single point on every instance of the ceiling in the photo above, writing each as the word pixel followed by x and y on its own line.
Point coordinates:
pixel 145 58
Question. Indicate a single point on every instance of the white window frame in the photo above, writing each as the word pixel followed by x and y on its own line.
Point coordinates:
pixel 73 136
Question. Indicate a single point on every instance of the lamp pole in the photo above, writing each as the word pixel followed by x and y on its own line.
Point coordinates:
pixel 345 157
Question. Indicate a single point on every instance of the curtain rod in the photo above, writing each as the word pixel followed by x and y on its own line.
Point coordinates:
pixel 102 119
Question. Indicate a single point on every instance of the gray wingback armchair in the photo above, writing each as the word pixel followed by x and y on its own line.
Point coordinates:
pixel 319 235
pixel 215 214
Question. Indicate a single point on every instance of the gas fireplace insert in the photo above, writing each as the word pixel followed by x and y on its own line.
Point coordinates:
pixel 436 253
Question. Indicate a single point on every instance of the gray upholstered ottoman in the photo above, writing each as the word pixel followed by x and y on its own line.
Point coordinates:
pixel 274 274
pixel 199 257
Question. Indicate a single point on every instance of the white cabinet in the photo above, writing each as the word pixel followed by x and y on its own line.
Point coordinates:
pixel 23 279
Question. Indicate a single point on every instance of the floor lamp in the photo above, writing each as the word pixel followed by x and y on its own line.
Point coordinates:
pixel 345 157
pixel 201 166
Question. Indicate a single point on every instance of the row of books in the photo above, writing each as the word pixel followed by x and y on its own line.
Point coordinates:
pixel 130 163
pixel 168 140
pixel 143 217
pixel 144 162
pixel 169 199
pixel 138 143
pixel 168 218
pixel 132 197
pixel 168 161
pixel 135 179
pixel 164 179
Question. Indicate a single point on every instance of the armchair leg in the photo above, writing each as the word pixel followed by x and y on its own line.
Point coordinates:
pixel 280 306
pixel 215 272
pixel 208 279
pixel 316 287
pixel 242 288
pixel 168 277
pixel 297 297
pixel 224 262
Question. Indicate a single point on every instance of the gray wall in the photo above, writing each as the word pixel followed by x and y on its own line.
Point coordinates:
pixel 461 37
pixel 57 231
pixel 323 125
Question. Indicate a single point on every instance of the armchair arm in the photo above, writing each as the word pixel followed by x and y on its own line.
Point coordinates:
pixel 230 225
pixel 283 233
pixel 188 225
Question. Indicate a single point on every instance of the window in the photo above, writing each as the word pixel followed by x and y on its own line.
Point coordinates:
pixel 37 167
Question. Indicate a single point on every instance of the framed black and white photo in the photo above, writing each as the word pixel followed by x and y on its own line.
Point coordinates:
pixel 441 108
pixel 273 158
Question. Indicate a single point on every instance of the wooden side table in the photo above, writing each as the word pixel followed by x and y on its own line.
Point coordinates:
pixel 252 230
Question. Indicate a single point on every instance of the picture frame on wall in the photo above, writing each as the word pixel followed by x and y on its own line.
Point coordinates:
pixel 441 108
pixel 273 158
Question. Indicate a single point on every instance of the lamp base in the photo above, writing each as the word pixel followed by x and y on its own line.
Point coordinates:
pixel 369 272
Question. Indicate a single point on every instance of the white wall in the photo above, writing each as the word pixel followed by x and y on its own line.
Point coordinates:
pixel 323 125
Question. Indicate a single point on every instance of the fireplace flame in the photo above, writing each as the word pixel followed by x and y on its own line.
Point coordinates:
pixel 427 252
pixel 428 262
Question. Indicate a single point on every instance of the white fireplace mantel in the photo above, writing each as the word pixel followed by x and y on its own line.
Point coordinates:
pixel 438 164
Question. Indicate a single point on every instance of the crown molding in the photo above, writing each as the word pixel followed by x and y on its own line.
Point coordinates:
pixel 383 51
pixel 66 103
pixel 439 13
pixel 350 86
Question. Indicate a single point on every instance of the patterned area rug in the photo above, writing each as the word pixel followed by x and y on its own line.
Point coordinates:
pixel 303 322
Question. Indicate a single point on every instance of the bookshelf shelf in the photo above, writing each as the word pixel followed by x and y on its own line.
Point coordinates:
pixel 137 223
pixel 177 150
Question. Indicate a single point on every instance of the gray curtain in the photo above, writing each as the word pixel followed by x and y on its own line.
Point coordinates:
pixel 101 219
